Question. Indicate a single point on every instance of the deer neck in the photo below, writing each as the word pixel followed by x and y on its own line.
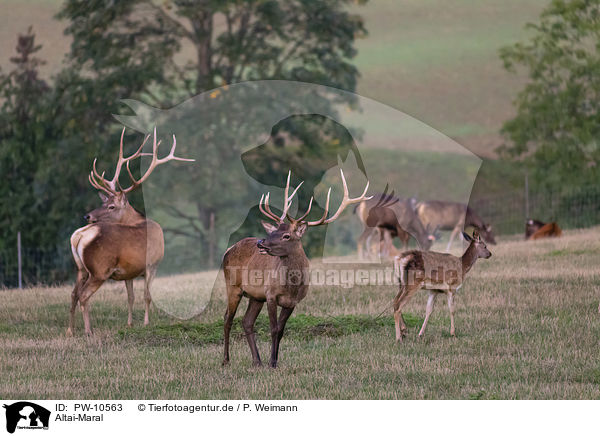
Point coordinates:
pixel 295 260
pixel 469 258
pixel 132 217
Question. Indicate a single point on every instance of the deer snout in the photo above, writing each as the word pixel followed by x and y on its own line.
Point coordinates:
pixel 262 249
pixel 89 219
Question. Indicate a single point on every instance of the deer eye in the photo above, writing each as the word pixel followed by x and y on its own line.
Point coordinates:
pixel 286 236
pixel 111 207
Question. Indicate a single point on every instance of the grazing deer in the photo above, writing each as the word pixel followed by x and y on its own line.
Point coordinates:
pixel 272 270
pixel 436 272
pixel 447 215
pixel 390 216
pixel 535 229
pixel 119 242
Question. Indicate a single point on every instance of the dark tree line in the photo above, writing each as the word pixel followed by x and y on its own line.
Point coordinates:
pixel 160 53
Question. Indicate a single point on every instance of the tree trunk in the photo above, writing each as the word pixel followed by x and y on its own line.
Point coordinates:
pixel 202 24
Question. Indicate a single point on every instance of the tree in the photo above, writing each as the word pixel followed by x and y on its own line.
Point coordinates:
pixel 22 143
pixel 557 126
pixel 143 42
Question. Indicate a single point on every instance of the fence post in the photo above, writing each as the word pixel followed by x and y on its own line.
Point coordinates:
pixel 526 196
pixel 19 263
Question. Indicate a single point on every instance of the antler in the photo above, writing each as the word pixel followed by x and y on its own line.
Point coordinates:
pixel 386 200
pixel 346 201
pixel 111 187
pixel 263 205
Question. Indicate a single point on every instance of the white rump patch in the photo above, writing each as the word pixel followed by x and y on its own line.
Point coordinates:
pixel 80 239
pixel 400 267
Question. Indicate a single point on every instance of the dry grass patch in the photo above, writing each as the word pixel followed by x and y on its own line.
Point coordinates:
pixel 527 327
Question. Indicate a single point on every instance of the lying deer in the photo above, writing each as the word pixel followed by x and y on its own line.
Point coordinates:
pixel 119 243
pixel 535 229
pixel 436 272
pixel 272 270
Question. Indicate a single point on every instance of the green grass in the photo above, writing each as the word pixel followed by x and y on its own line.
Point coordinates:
pixel 301 327
pixel 527 328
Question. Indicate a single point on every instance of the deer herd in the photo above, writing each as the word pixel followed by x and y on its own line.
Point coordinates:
pixel 121 244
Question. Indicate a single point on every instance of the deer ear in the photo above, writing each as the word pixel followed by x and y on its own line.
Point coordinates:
pixel 476 234
pixel 270 228
pixel 103 197
pixel 467 237
pixel 300 229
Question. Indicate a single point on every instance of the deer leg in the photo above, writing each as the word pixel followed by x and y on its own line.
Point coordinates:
pixel 148 277
pixel 130 300
pixel 82 276
pixel 234 295
pixel 452 236
pixel 451 308
pixel 283 317
pixel 254 307
pixel 387 238
pixel 430 303
pixel 403 297
pixel 272 309
pixel 361 242
pixel 87 290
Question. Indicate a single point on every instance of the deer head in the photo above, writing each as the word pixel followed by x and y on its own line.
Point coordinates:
pixel 115 206
pixel 284 238
pixel 488 234
pixel 481 249
pixel 381 209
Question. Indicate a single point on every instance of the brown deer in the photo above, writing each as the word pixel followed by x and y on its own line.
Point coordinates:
pixel 389 216
pixel 272 270
pixel 446 215
pixel 119 243
pixel 535 229
pixel 437 272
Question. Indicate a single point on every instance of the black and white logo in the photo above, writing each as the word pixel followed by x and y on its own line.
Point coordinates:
pixel 26 415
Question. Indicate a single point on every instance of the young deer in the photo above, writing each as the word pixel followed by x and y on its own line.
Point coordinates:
pixel 436 272
pixel 119 243
pixel 272 270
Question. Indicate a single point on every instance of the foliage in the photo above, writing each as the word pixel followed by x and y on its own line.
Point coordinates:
pixel 24 132
pixel 557 126
pixel 133 51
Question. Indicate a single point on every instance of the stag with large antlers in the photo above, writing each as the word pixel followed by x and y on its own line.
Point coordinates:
pixel 118 243
pixel 273 270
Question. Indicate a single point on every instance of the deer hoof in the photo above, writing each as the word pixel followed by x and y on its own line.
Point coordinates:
pixel 225 362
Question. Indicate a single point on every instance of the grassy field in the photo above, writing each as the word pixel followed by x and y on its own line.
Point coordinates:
pixel 527 328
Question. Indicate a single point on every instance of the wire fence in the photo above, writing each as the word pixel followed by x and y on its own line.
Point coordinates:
pixel 38 266
pixel 572 208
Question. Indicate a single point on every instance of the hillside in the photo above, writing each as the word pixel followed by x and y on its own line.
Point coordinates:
pixel 436 62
